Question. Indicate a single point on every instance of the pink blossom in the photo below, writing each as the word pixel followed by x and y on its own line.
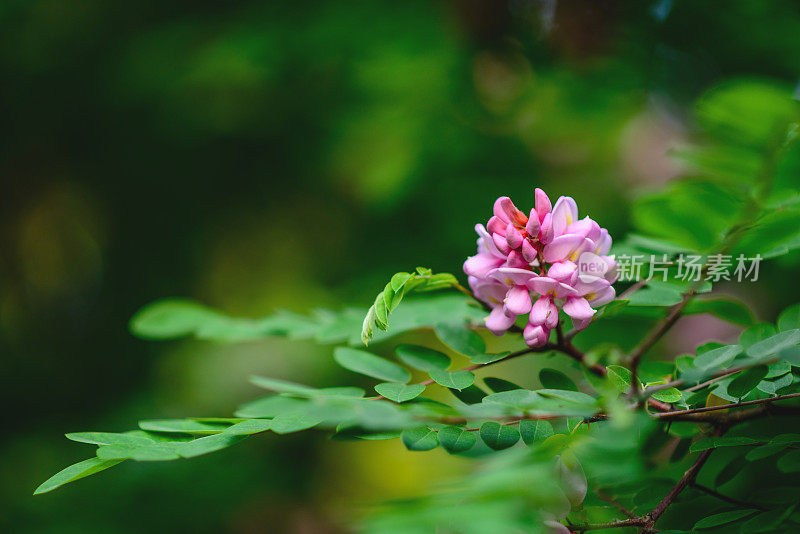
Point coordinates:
pixel 528 265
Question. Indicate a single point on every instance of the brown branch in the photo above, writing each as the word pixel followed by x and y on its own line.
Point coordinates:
pixel 688 478
pixel 725 498
pixel 569 349
pixel 633 289
pixel 704 409
pixel 719 375
pixel 610 500
pixel 654 335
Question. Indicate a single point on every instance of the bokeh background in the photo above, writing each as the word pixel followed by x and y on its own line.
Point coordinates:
pixel 263 155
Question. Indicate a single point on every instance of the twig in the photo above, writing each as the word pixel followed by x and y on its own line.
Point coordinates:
pixel 704 409
pixel 622 523
pixel 607 498
pixel 633 289
pixel 725 498
pixel 569 349
pixel 654 335
pixel 688 478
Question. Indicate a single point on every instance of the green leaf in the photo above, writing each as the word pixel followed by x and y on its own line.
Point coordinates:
pixel 270 406
pixel 764 451
pixel 368 364
pixel 717 358
pixel 298 390
pixel 723 518
pixel 171 318
pixel 422 358
pixel 293 422
pixel 621 377
pixel 497 436
pixel 108 438
pixel 498 384
pixel 535 431
pixel 208 444
pixel 180 426
pixel 567 395
pixel 756 333
pixel 153 452
pixel 75 472
pixel 774 344
pixel 399 280
pixel 453 379
pixel 747 381
pixel 790 462
pixel 253 426
pixel 725 308
pixel 394 291
pixel 461 339
pixel 399 392
pixel 655 296
pixel 789 319
pixel 725 441
pixel 672 214
pixel 470 395
pixel 669 395
pixel 419 438
pixel 455 439
pixel 483 359
pixel 552 379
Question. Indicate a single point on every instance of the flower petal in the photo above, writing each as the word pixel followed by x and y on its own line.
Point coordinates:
pixel 528 251
pixel 563 271
pixel 513 237
pixel 543 285
pixel 541 310
pixel 518 300
pixel 546 233
pixel 578 308
pixel 542 203
pixel 535 335
pixel 533 224
pixel 508 212
pixel 480 264
pixel 516 260
pixel 496 226
pixel 604 296
pixel 498 322
pixel 511 276
pixel 501 243
pixel 562 247
pixel 565 212
pixel 488 241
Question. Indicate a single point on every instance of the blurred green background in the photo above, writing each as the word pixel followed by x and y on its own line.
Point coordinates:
pixel 263 155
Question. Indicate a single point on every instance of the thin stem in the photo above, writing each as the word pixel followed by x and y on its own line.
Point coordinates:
pixel 610 500
pixel 622 523
pixel 655 334
pixel 719 375
pixel 725 498
pixel 725 406
pixel 633 289
pixel 688 478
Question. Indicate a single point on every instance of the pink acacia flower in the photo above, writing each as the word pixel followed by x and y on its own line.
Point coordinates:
pixel 529 265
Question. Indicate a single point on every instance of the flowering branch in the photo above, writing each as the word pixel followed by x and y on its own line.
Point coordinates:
pixel 704 409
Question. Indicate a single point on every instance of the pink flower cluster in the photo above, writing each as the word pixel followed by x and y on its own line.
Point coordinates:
pixel 529 265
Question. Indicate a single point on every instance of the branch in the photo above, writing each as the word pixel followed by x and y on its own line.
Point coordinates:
pixel 654 335
pixel 622 523
pixel 688 478
pixel 607 498
pixel 725 498
pixel 670 415
pixel 719 375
